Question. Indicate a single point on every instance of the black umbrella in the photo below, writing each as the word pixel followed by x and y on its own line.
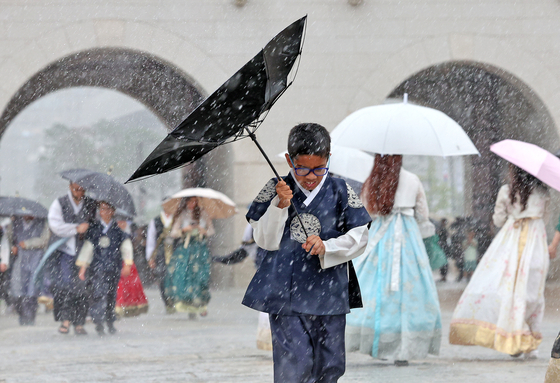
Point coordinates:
pixel 235 110
pixel 10 206
pixel 102 187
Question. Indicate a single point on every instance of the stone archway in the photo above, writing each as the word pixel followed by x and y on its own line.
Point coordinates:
pixel 491 105
pixel 164 89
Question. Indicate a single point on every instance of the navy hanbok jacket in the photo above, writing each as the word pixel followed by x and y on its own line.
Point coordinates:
pixel 290 281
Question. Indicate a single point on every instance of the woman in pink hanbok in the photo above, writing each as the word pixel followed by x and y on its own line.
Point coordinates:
pixel 502 307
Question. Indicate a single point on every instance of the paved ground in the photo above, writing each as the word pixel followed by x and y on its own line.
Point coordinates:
pixel 221 348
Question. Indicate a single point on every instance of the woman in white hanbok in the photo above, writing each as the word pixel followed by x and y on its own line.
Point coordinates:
pixel 503 305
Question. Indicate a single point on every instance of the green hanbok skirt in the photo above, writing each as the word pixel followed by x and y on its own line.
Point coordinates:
pixel 188 276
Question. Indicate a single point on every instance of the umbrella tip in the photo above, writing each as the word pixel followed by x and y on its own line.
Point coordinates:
pixel 405 98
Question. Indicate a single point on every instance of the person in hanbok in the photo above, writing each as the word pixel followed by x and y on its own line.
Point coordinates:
pixel 401 318
pixel 503 305
pixel 70 217
pixel 28 236
pixel 159 247
pixel 105 255
pixel 131 300
pixel 187 281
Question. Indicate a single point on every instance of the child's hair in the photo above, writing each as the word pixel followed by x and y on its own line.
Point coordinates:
pixel 309 139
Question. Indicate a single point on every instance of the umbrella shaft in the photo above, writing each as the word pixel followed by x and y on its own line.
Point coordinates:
pixel 254 138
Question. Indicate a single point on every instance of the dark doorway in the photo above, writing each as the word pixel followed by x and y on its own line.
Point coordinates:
pixel 491 105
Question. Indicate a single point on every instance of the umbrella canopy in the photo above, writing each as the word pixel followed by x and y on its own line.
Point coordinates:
pixel 533 159
pixel 234 110
pixel 103 187
pixel 348 163
pixel 217 205
pixel 10 206
pixel 403 128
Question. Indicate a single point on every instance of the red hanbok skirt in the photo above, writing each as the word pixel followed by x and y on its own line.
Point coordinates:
pixel 131 300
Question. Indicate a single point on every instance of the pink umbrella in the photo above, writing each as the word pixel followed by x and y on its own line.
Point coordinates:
pixel 531 158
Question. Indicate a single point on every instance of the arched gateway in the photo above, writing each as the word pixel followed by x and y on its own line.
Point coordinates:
pixel 491 105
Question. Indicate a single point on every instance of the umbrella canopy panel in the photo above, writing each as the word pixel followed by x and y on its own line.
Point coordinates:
pixel 236 105
pixel 17 206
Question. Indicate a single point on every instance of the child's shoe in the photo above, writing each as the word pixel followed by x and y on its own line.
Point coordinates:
pixel 100 330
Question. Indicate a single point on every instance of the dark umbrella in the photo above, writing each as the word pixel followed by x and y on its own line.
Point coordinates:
pixel 10 206
pixel 235 110
pixel 102 187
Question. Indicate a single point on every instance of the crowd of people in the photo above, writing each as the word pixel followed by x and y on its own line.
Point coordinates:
pixel 373 253
pixel 85 259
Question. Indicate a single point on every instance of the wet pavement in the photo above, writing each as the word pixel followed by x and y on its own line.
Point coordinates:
pixel 221 347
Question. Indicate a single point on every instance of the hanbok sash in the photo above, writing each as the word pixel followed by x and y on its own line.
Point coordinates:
pixel 397 244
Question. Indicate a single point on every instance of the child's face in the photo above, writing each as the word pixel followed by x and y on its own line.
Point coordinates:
pixel 310 181
pixel 106 212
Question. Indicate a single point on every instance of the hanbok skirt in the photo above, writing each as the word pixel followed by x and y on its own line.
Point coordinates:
pixel 187 281
pixel 131 300
pixel 503 305
pixel 401 318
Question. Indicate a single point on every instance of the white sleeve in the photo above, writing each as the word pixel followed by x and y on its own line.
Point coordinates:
pixel 345 248
pixel 151 239
pixel 268 230
pixel 422 214
pixel 57 224
pixel 5 249
pixel 500 210
pixel 86 254
pixel 127 252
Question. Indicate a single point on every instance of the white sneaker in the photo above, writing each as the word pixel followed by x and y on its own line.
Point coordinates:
pixel 531 355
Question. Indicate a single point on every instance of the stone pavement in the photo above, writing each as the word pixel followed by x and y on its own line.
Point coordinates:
pixel 221 348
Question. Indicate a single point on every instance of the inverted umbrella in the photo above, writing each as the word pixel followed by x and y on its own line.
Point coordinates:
pixel 235 110
pixel 102 187
pixel 533 159
pixel 403 128
pixel 17 206
pixel 217 205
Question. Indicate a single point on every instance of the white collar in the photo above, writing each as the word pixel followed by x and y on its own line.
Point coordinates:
pixel 106 226
pixel 77 207
pixel 310 194
pixel 166 219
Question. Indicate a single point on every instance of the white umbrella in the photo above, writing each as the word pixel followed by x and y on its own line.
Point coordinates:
pixel 217 205
pixel 348 162
pixel 403 128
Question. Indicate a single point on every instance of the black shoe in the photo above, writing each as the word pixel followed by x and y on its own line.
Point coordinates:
pixel 100 330
pixel 401 363
pixel 111 328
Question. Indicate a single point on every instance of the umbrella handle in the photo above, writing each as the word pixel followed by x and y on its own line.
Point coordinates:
pixel 254 138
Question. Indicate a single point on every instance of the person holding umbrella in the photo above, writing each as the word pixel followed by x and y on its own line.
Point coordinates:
pixel 106 254
pixel 305 280
pixel 187 281
pixel 69 217
pixel 503 305
pixel 29 236
pixel 401 319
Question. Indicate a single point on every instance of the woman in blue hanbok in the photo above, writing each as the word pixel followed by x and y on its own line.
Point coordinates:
pixel 401 317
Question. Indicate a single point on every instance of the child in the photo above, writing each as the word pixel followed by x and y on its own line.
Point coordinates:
pixel 104 251
pixel 303 280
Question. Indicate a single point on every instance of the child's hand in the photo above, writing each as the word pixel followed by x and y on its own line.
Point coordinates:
pixel 3 267
pixel 315 245
pixel 284 194
pixel 82 274
pixel 125 271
